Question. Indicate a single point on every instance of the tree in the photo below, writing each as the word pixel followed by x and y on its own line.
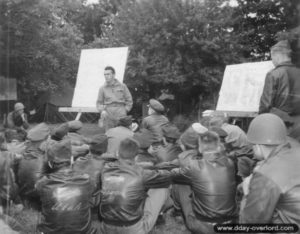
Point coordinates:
pixel 180 45
pixel 42 43
pixel 259 23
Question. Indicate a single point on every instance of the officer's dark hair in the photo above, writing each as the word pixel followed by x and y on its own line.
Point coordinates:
pixel 128 148
pixel 110 68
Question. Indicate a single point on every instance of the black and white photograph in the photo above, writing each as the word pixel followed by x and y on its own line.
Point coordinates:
pixel 149 116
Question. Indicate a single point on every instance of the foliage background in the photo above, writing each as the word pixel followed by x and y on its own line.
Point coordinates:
pixel 179 46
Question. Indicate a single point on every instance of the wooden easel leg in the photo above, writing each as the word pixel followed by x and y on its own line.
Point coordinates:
pixel 78 115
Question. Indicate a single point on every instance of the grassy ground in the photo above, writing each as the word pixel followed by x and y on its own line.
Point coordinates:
pixel 25 221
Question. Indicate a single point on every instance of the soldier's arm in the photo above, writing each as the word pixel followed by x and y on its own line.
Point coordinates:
pixel 267 95
pixel 10 121
pixel 128 99
pixel 168 165
pixel 156 178
pixel 261 201
pixel 182 175
pixel 25 122
pixel 100 100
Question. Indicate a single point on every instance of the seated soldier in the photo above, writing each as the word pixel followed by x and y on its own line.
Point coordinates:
pixel 60 132
pixel 145 139
pixel 170 149
pixel 272 195
pixel 93 163
pixel 210 196
pixel 8 186
pixel 236 142
pixel 117 134
pixel 74 134
pixel 17 119
pixel 154 122
pixel 32 165
pixel 188 142
pixel 128 205
pixel 65 194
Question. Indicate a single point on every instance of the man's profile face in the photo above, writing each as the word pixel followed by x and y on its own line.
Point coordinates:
pixel 274 57
pixel 109 76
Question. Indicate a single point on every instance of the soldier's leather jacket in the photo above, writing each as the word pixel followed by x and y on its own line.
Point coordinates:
pixel 124 190
pixel 154 124
pixel 282 89
pixel 213 184
pixel 274 190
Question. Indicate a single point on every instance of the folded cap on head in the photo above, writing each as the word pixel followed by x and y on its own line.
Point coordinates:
pixel 199 128
pixel 74 125
pixel 60 132
pixel 125 121
pixel 189 138
pixel 171 131
pixel 156 105
pixel 39 132
pixel 98 144
pixel 60 151
pixel 216 121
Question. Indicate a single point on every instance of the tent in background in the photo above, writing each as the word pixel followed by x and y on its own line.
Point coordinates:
pixel 47 104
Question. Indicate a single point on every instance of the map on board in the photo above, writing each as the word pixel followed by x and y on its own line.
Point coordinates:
pixel 242 86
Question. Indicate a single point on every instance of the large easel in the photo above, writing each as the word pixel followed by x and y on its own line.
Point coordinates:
pixel 90 77
pixel 78 110
pixel 241 89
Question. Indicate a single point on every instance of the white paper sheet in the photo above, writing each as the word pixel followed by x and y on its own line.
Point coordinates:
pixel 242 86
pixel 90 74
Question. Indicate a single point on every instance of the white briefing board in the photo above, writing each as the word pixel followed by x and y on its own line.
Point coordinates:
pixel 242 86
pixel 90 74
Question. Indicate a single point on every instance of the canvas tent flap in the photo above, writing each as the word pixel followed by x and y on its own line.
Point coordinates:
pixel 8 89
pixel 48 103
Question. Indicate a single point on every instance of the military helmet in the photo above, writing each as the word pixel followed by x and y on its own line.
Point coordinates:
pixel 267 129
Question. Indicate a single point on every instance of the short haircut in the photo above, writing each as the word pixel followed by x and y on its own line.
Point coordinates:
pixel 110 68
pixel 128 148
pixel 209 141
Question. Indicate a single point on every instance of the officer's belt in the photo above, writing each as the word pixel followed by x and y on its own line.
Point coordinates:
pixel 115 105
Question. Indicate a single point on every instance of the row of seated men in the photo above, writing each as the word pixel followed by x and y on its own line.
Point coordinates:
pixel 125 182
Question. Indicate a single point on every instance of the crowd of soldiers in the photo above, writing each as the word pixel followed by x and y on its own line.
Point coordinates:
pixel 125 179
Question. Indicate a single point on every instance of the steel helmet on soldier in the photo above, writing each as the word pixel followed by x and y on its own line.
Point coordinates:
pixel 19 106
pixel 267 129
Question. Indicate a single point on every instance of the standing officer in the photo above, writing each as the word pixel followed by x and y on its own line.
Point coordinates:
pixel 282 85
pixel 114 99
